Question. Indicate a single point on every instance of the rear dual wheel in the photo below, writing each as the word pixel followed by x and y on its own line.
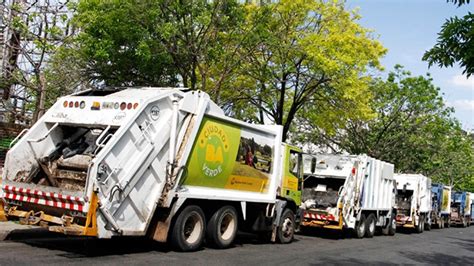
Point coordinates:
pixel 391 227
pixel 222 227
pixel 360 229
pixel 190 227
pixel 187 233
pixel 420 226
pixel 370 226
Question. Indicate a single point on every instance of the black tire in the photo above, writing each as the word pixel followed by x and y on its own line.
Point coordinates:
pixel 188 229
pixel 464 222
pixel 370 226
pixel 428 226
pixel 222 227
pixel 393 227
pixel 286 227
pixel 360 228
pixel 419 228
pixel 386 228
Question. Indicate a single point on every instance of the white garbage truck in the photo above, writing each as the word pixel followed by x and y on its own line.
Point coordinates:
pixel 161 162
pixel 348 192
pixel 413 201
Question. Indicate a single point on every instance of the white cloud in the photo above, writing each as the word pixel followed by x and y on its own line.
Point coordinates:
pixel 463 81
pixel 462 105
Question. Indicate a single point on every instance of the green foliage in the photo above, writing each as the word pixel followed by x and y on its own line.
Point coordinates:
pixel 455 44
pixel 413 130
pixel 119 40
pixel 459 2
pixel 155 42
pixel 304 56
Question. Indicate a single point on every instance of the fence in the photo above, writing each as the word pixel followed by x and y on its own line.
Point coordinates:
pixel 7 133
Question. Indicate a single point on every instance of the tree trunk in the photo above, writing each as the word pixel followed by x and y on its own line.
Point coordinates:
pixel 281 102
pixel 41 98
pixel 12 53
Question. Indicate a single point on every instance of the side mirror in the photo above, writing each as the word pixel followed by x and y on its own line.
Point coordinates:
pixel 313 165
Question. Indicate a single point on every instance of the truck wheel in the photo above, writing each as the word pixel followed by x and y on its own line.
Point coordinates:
pixel 385 228
pixel 188 229
pixel 286 228
pixel 393 227
pixel 427 226
pixel 222 227
pixel 370 226
pixel 360 227
pixel 390 227
pixel 419 227
pixel 448 222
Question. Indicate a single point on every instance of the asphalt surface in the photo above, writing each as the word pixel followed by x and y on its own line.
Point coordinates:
pixel 453 246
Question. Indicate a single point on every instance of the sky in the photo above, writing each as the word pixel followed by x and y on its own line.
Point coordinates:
pixel 407 28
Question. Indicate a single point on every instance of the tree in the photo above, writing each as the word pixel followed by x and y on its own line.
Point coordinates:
pixel 455 43
pixel 120 43
pixel 459 2
pixel 307 56
pixel 413 130
pixel 159 42
pixel 36 30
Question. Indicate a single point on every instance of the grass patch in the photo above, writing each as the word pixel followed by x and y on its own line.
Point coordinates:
pixel 245 170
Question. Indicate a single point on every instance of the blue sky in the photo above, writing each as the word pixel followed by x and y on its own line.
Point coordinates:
pixel 407 28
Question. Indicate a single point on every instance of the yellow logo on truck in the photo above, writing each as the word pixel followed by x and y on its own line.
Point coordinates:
pixel 213 142
pixel 228 157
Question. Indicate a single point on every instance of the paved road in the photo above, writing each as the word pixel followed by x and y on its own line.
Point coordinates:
pixel 448 246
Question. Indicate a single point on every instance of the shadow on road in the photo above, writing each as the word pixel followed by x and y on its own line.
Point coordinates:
pixel 324 233
pixel 77 247
pixel 438 258
pixel 85 247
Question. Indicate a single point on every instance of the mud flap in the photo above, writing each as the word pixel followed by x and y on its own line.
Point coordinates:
pixel 3 216
pixel 279 207
pixel 162 222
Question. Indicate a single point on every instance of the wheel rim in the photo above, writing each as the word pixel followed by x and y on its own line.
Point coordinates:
pixel 372 225
pixel 287 228
pixel 193 228
pixel 227 226
pixel 361 228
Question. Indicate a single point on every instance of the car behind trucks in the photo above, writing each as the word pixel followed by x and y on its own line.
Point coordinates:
pixel 348 192
pixel 413 201
pixel 440 205
pixel 461 208
pixel 152 161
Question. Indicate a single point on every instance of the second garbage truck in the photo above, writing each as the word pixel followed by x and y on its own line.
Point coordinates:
pixel 348 192
pixel 413 201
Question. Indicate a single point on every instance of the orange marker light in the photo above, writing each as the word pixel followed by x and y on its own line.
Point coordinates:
pixel 135 105
pixel 95 106
pixel 65 104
